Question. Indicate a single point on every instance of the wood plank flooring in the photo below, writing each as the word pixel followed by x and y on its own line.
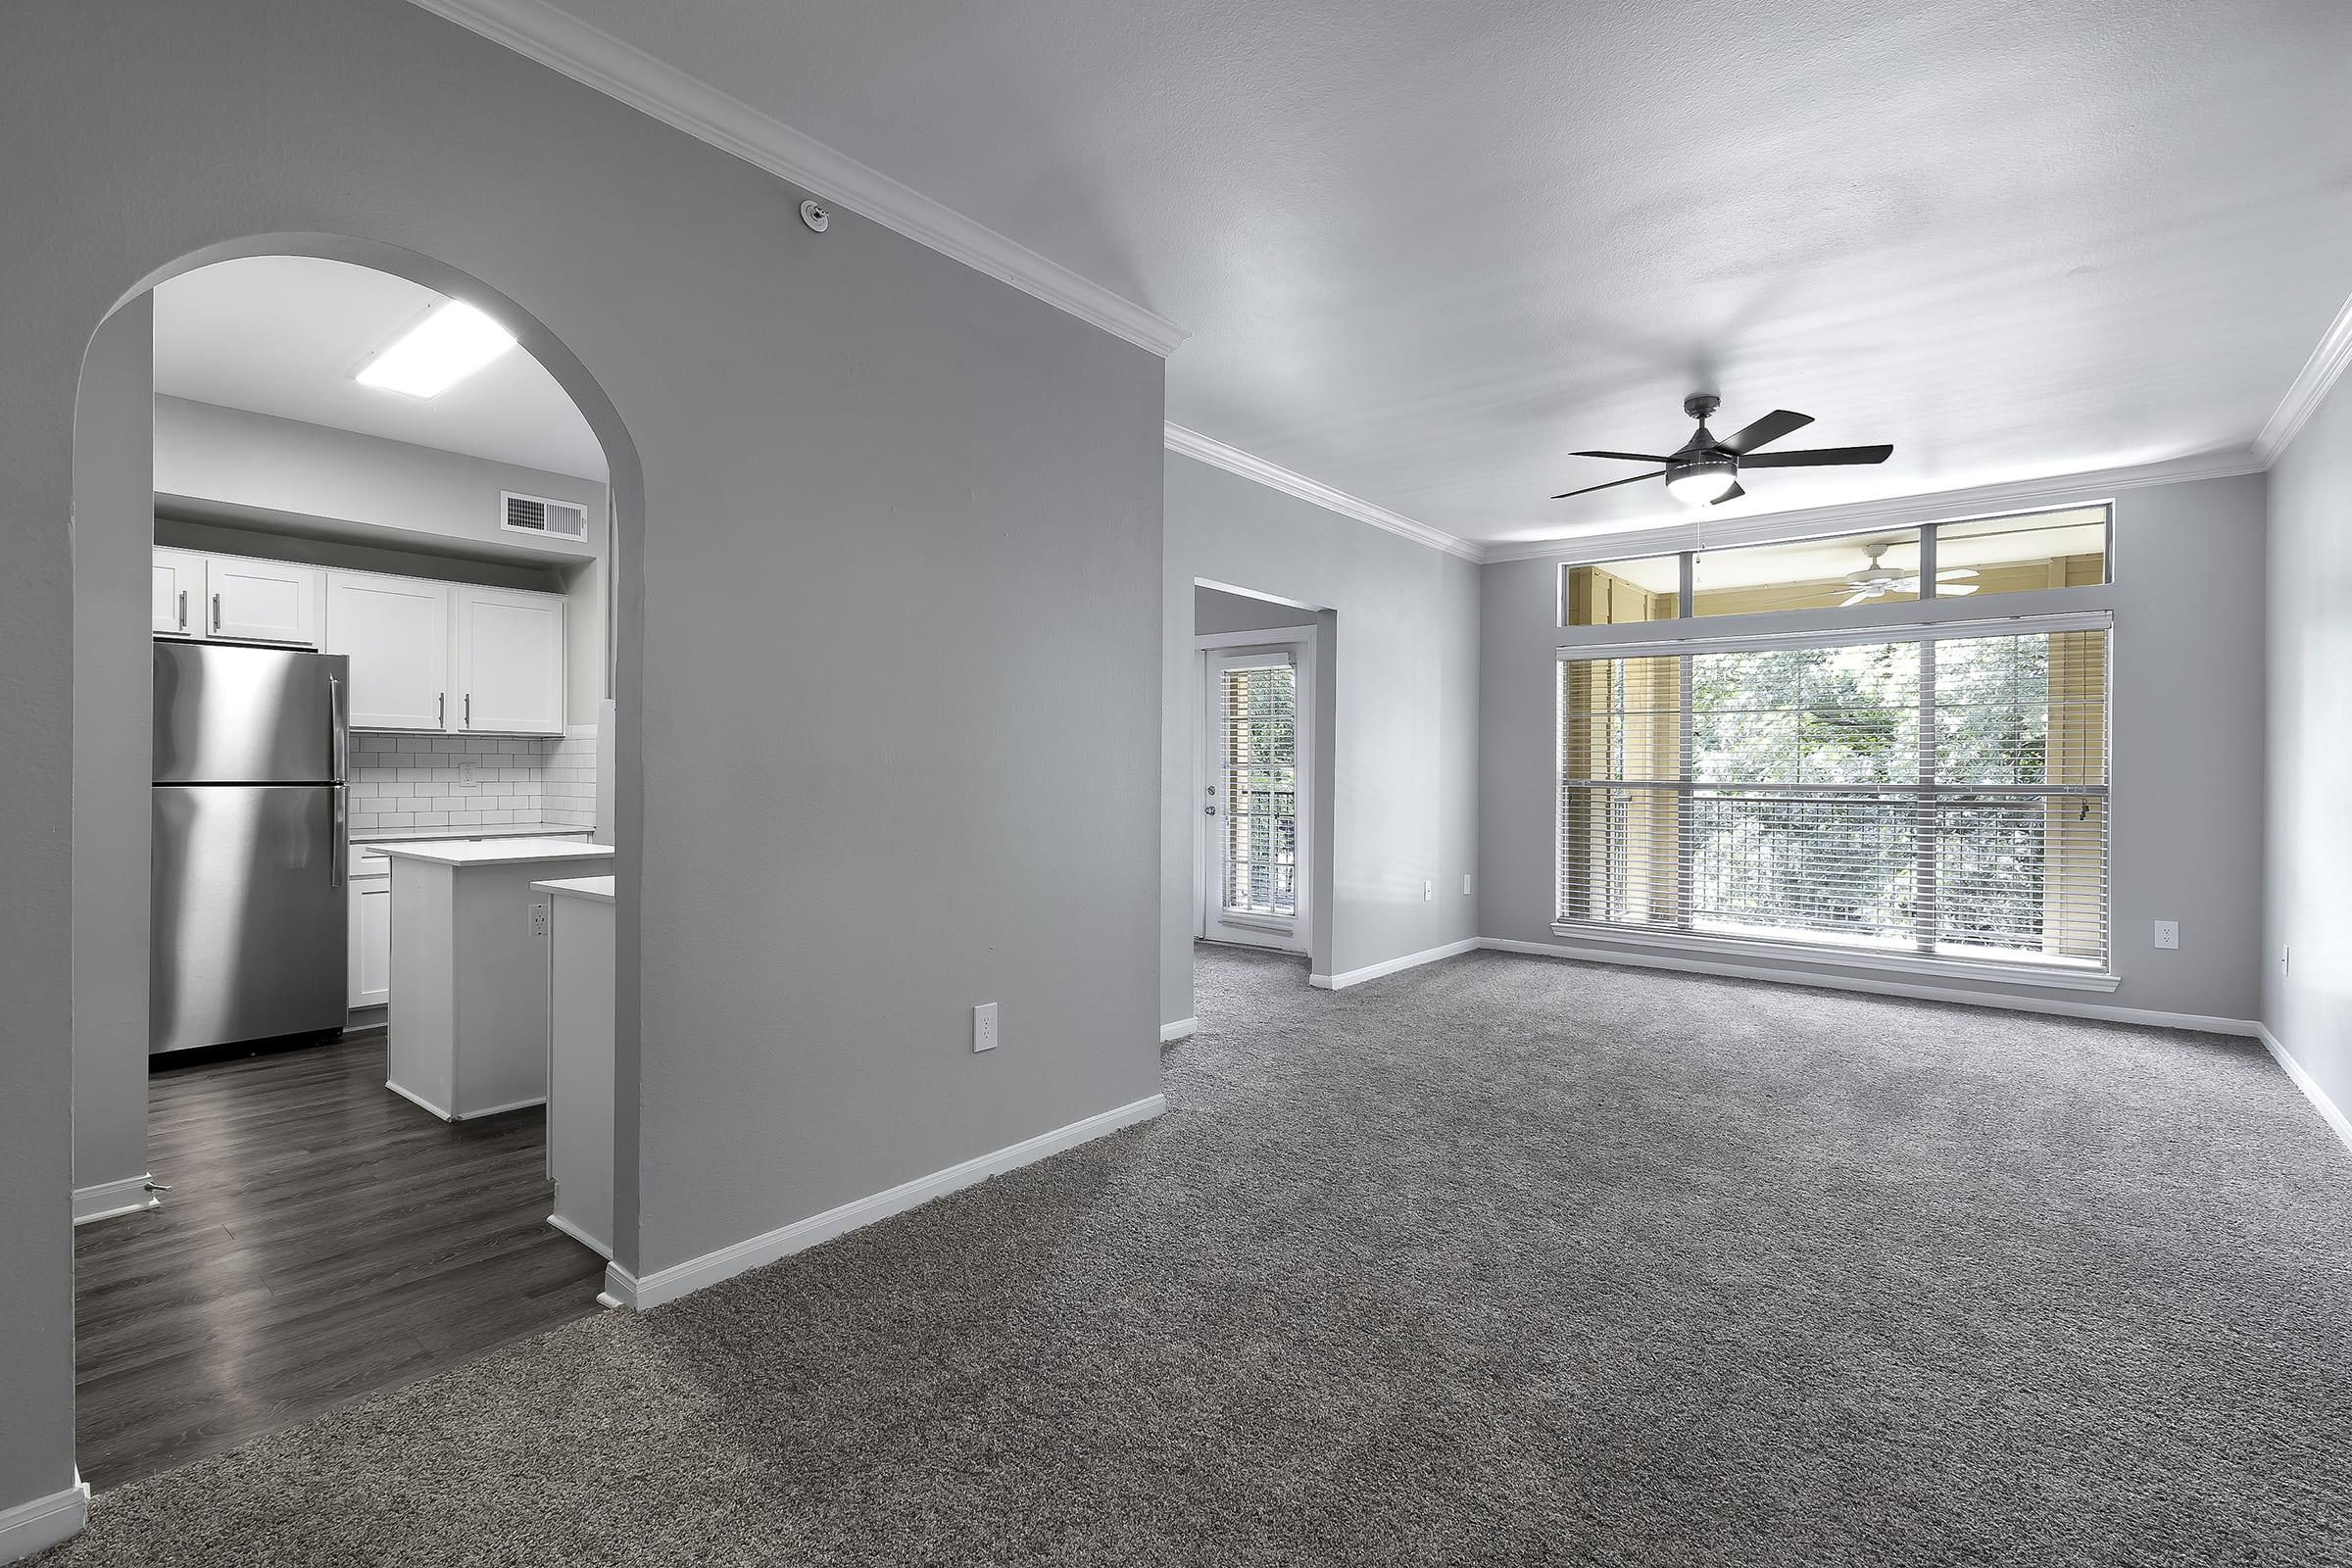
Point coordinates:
pixel 324 1239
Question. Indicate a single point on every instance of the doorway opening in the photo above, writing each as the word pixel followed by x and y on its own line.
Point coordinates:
pixel 1256 844
pixel 371 707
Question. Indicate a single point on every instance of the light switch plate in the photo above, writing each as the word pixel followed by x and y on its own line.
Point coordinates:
pixel 1428 890
pixel 2167 934
pixel 984 1026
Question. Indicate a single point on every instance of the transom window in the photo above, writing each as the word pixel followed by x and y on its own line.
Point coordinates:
pixel 1934 791
pixel 2067 548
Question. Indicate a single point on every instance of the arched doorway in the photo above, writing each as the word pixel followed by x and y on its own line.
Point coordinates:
pixel 247 1360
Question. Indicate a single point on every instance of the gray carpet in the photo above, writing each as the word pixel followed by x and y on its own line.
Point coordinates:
pixel 1501 1260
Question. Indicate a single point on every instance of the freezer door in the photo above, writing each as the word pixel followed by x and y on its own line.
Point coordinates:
pixel 226 714
pixel 249 913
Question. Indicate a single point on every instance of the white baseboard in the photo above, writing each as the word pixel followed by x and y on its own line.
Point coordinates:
pixel 680 1279
pixel 415 1099
pixel 580 1236
pixel 42 1523
pixel 1181 1029
pixel 2328 1109
pixel 1373 971
pixel 106 1199
pixel 1873 986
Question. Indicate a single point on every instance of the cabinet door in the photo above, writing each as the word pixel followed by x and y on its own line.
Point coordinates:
pixel 509 662
pixel 396 631
pixel 264 601
pixel 177 594
pixel 370 942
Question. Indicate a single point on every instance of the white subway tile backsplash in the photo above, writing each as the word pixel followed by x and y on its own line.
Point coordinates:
pixel 399 781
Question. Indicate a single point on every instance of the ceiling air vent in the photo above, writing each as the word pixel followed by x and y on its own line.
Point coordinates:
pixel 553 519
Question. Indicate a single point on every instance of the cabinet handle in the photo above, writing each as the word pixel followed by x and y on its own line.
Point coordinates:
pixel 215 612
pixel 183 609
pixel 469 710
pixel 441 710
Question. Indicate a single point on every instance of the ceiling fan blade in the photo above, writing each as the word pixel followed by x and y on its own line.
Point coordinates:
pixel 1817 457
pixel 1774 426
pixel 1630 457
pixel 1614 483
pixel 1854 599
pixel 1955 573
pixel 1733 494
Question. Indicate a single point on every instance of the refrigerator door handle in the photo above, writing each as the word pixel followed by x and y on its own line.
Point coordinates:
pixel 334 874
pixel 338 732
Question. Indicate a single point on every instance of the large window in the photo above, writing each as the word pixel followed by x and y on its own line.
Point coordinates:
pixel 1938 791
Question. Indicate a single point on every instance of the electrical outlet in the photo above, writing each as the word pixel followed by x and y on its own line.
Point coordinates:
pixel 1465 884
pixel 470 775
pixel 2284 953
pixel 1428 890
pixel 538 919
pixel 2167 934
pixel 984 1026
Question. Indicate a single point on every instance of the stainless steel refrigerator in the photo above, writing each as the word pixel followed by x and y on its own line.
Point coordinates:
pixel 251 747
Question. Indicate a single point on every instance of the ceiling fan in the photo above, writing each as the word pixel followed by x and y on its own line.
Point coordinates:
pixel 1875 581
pixel 1706 471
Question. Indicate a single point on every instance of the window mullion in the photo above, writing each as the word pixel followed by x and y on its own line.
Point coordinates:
pixel 1686 813
pixel 1924 808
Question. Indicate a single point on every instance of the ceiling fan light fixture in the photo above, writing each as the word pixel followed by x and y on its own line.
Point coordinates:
pixel 1703 480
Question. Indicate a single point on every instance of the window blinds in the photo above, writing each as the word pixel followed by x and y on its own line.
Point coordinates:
pixel 1259 782
pixel 1938 791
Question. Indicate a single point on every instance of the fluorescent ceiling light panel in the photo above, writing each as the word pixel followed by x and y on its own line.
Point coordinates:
pixel 447 344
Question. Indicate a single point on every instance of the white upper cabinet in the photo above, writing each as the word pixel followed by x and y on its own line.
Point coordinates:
pixel 396 632
pixel 509 661
pixel 177 594
pixel 261 601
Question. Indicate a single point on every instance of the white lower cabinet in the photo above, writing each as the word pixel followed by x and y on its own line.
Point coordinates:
pixel 370 940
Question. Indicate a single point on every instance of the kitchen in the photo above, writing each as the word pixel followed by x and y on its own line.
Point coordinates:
pixel 381 649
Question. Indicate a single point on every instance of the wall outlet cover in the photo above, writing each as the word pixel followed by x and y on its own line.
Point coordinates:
pixel 2167 934
pixel 470 775
pixel 1428 890
pixel 984 1026
pixel 538 919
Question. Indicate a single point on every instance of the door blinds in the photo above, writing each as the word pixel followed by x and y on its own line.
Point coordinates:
pixel 1939 791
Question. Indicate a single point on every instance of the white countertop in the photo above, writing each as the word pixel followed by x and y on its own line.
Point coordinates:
pixel 599 887
pixel 496 852
pixel 490 830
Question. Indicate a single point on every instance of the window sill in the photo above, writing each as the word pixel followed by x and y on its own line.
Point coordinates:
pixel 1253 922
pixel 2045 976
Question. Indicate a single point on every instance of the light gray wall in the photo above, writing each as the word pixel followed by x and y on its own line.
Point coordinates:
pixel 1216 611
pixel 242 469
pixel 805 425
pixel 2186 727
pixel 1398 692
pixel 112 761
pixel 2307 914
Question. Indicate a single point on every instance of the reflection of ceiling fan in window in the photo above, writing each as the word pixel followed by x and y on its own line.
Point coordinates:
pixel 1875 581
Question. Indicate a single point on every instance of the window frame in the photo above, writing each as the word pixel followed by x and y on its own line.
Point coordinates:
pixel 1764 536
pixel 1294 932
pixel 1927 620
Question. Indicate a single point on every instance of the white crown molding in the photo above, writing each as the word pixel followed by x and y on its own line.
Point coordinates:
pixel 1233 460
pixel 2312 384
pixel 588 53
pixel 1933 505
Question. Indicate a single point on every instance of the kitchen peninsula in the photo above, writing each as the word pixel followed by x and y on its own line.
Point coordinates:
pixel 467 1026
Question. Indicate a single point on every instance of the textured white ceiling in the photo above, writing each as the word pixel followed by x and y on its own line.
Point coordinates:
pixel 281 334
pixel 1427 250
